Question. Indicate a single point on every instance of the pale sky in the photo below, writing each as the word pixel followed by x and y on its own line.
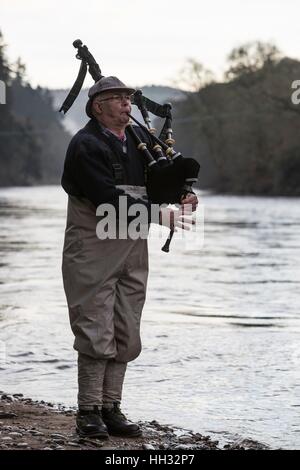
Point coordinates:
pixel 141 42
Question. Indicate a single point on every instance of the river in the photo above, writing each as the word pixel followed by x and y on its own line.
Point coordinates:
pixel 220 329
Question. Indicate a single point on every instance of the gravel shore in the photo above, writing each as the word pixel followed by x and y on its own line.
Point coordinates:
pixel 26 424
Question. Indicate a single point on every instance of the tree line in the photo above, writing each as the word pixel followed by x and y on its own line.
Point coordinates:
pixel 32 138
pixel 245 131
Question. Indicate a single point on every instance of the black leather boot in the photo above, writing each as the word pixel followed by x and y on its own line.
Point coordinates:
pixel 117 423
pixel 90 424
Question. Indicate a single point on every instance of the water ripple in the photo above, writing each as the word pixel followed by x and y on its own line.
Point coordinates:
pixel 220 326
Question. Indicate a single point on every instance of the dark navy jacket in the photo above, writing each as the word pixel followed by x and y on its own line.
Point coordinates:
pixel 88 170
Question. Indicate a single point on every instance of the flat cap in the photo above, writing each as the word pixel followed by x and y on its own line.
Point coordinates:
pixel 105 84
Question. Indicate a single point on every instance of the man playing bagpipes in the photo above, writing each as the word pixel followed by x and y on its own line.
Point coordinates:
pixel 105 278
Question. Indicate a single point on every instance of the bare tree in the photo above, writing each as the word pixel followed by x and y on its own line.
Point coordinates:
pixel 193 76
pixel 251 57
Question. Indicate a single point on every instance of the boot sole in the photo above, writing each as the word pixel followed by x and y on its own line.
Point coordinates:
pixel 94 434
pixel 119 434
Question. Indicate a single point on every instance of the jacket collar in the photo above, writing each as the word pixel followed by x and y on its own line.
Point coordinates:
pixel 96 128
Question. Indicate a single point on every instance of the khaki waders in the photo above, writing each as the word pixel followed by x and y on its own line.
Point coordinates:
pixel 105 284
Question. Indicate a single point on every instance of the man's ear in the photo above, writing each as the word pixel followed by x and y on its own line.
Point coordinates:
pixel 98 107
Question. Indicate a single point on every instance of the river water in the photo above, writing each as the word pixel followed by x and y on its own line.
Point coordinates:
pixel 221 325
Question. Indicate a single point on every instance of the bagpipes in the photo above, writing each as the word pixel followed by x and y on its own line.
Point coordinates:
pixel 170 176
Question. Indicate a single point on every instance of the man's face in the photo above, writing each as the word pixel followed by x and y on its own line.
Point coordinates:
pixel 113 106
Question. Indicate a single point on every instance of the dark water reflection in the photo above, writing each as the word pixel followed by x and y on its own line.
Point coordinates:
pixel 220 329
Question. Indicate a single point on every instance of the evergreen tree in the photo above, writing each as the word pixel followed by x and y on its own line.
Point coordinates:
pixel 32 139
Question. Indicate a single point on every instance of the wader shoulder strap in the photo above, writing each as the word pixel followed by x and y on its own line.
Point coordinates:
pixel 119 174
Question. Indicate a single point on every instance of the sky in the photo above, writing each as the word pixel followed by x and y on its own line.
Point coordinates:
pixel 141 42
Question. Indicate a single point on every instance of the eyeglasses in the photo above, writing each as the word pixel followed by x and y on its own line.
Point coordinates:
pixel 118 98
